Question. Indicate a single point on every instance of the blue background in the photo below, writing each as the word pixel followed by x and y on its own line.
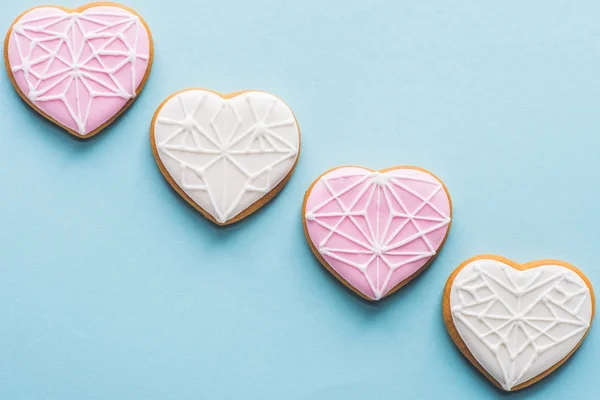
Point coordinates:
pixel 112 287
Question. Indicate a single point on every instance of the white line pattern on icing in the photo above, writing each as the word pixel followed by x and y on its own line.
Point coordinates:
pixel 378 188
pixel 223 149
pixel 520 317
pixel 78 70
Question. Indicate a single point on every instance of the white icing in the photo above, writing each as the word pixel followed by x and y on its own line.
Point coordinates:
pixel 518 324
pixel 226 154
pixel 76 71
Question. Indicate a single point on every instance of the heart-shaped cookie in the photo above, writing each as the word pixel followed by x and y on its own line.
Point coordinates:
pixel 376 230
pixel 227 155
pixel 80 68
pixel 517 322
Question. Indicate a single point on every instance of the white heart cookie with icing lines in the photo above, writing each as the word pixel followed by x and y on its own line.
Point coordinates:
pixel 226 155
pixel 517 322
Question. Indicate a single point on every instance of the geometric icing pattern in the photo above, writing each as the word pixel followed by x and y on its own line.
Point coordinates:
pixel 517 324
pixel 79 68
pixel 376 229
pixel 226 154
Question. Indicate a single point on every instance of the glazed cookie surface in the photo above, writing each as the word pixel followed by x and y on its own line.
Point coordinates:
pixel 226 155
pixel 517 322
pixel 80 68
pixel 376 230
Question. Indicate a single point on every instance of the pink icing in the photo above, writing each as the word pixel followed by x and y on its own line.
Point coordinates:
pixel 377 229
pixel 79 68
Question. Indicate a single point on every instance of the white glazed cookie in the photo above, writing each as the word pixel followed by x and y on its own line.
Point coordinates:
pixel 517 323
pixel 227 155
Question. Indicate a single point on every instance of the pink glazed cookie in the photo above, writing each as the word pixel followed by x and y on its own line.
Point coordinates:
pixel 376 230
pixel 80 68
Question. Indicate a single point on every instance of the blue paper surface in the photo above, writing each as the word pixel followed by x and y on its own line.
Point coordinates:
pixel 112 287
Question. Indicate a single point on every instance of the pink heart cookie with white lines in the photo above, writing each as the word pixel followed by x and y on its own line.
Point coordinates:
pixel 80 68
pixel 376 230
